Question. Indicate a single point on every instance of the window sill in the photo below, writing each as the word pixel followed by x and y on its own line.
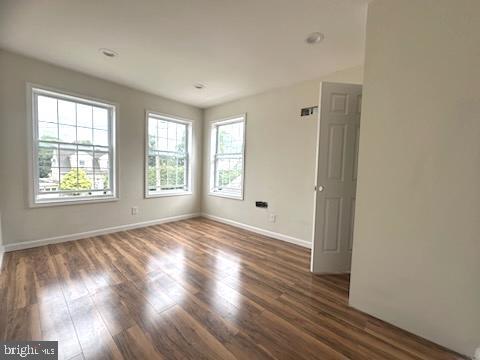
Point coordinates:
pixel 225 195
pixel 64 202
pixel 166 194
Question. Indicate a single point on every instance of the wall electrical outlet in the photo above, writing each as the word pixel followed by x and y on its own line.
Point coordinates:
pixel 272 218
pixel 135 210
pixel 261 204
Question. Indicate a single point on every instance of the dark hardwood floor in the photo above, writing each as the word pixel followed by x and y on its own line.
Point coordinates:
pixel 193 289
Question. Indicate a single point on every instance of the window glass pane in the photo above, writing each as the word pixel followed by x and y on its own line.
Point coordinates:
pixel 152 133
pixel 102 180
pixel 66 112
pixel 230 138
pixel 162 138
pixel 153 175
pixel 47 131
pixel 170 165
pixel 229 173
pixel 47 109
pixel 176 140
pixel 181 138
pixel 100 118
pixel 100 137
pixel 181 173
pixel 67 156
pixel 172 137
pixel 76 179
pixel 67 133
pixel 47 158
pixel 152 126
pixel 101 158
pixel 48 179
pixel 84 115
pixel 84 135
pixel 84 157
pixel 166 173
pixel 85 178
pixel 152 143
pixel 68 179
pixel 162 135
pixel 169 171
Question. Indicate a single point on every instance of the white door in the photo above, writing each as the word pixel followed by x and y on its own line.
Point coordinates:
pixel 336 182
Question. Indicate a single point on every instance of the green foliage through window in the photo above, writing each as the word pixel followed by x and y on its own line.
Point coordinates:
pixel 227 177
pixel 166 173
pixel 45 156
pixel 76 179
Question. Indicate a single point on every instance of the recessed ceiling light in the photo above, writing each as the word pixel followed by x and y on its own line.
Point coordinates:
pixel 108 52
pixel 315 38
pixel 199 86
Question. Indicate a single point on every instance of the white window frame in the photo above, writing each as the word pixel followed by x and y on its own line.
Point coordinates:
pixel 33 90
pixel 213 190
pixel 189 157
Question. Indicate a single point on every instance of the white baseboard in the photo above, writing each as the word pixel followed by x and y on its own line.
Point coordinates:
pixel 274 235
pixel 113 229
pixel 86 234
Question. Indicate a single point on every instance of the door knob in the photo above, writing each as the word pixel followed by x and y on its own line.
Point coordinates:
pixel 320 188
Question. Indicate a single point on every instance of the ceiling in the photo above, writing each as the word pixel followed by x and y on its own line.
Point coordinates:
pixel 235 47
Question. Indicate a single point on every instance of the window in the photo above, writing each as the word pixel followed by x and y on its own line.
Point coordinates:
pixel 227 157
pixel 73 148
pixel 167 156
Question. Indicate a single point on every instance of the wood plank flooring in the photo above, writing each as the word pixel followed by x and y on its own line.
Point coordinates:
pixel 194 289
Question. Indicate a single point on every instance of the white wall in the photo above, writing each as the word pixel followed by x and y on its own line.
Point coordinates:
pixel 416 256
pixel 21 223
pixel 280 157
